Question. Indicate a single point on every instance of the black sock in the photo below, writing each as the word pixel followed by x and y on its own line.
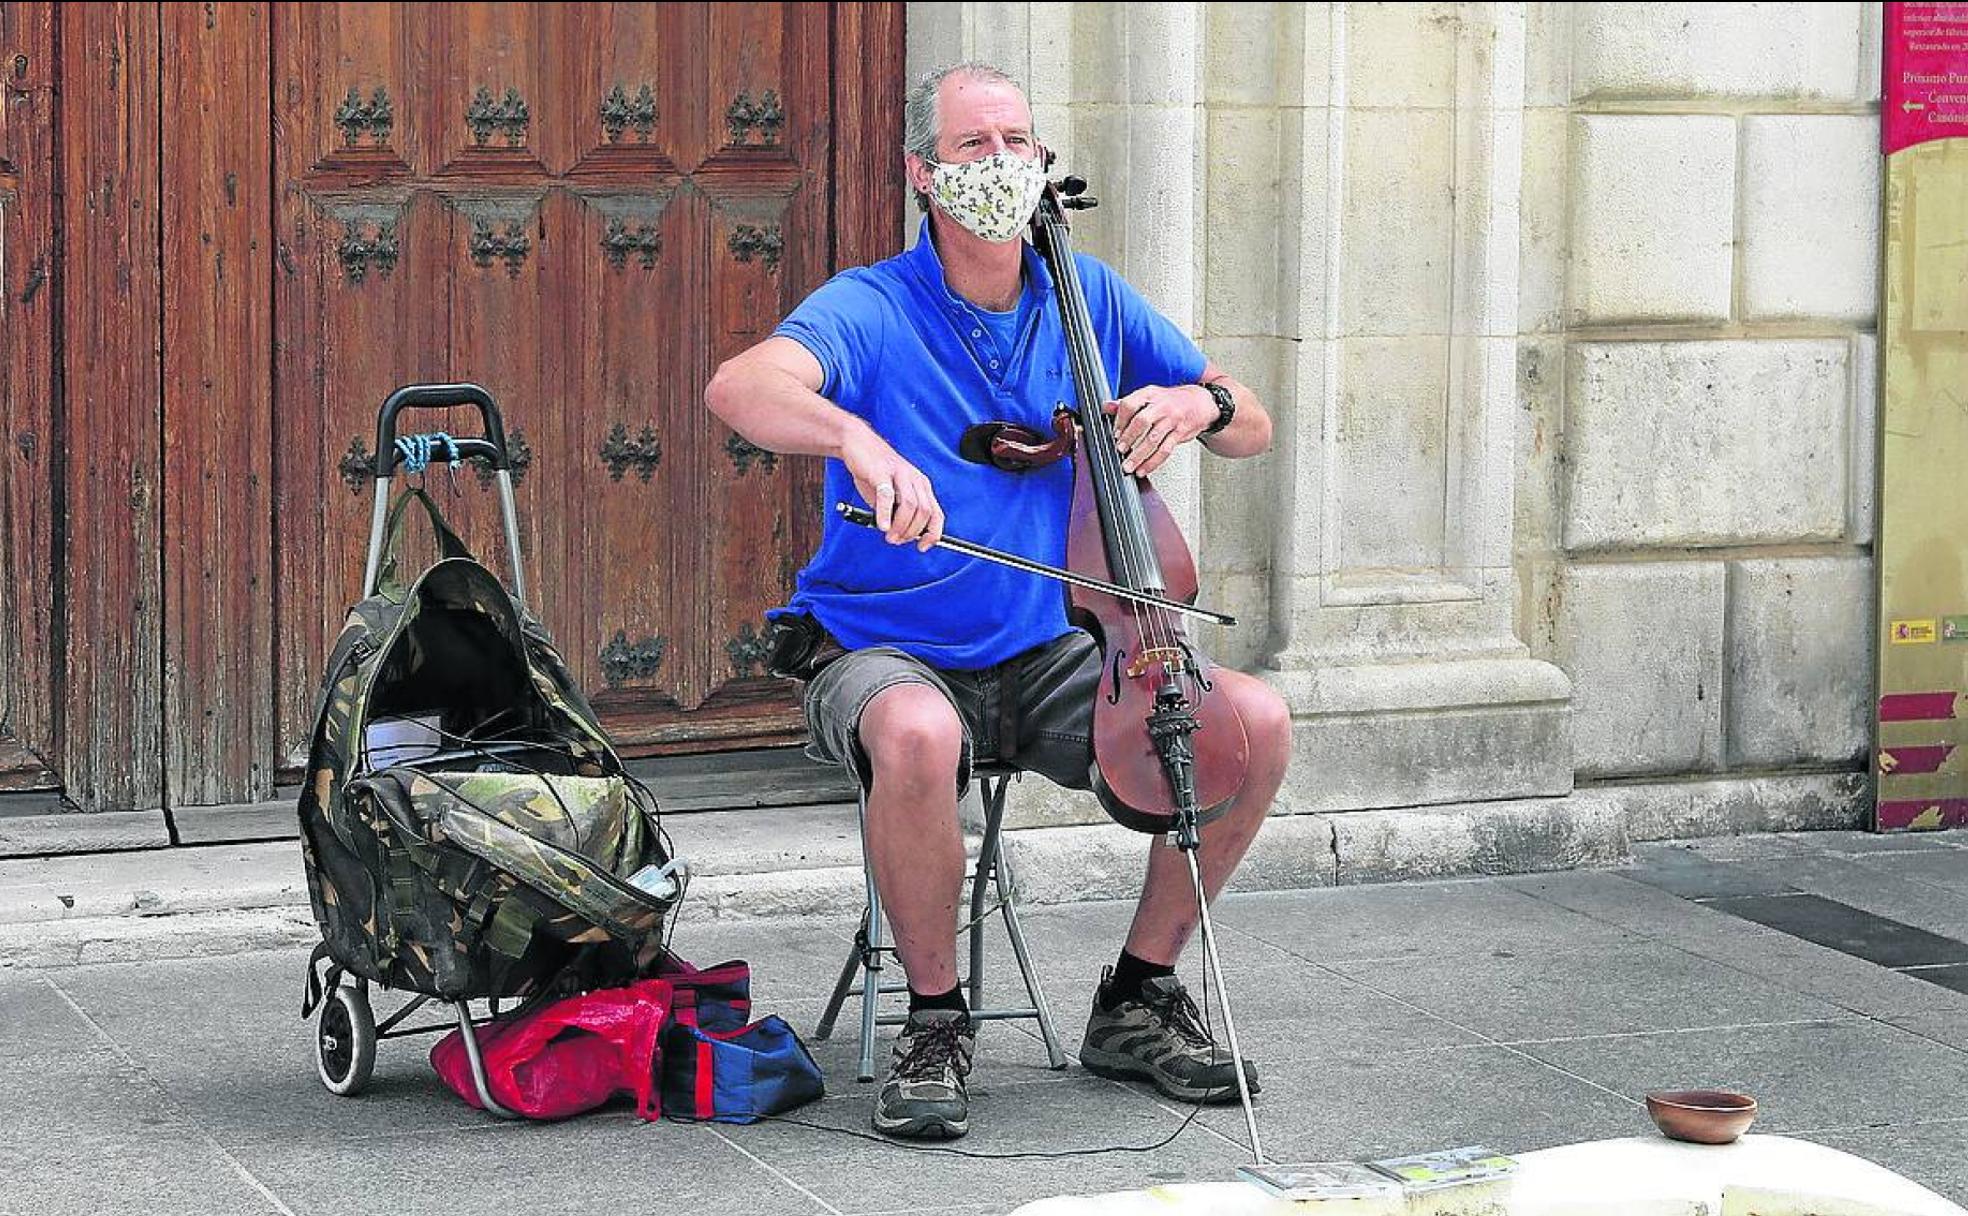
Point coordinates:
pixel 1129 973
pixel 953 999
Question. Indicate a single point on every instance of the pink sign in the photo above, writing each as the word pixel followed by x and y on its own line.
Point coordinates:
pixel 1906 761
pixel 1926 86
pixel 1917 706
pixel 1926 814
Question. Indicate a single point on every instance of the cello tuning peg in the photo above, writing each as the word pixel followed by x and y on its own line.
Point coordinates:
pixel 1071 185
pixel 1084 202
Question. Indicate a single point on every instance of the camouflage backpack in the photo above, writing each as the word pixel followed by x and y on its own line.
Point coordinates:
pixel 495 866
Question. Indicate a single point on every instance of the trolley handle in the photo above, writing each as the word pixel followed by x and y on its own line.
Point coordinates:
pixel 491 447
pixel 440 396
pixel 468 449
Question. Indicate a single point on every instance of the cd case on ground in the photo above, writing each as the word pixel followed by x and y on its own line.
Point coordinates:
pixel 1450 1167
pixel 1321 1180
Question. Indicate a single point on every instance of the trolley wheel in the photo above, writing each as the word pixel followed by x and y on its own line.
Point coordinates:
pixel 345 1041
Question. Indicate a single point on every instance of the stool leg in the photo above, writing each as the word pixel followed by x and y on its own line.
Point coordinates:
pixel 870 978
pixel 856 958
pixel 1008 906
pixel 992 791
pixel 871 956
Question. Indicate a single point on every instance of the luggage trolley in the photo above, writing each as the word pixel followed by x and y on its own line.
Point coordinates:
pixel 346 1031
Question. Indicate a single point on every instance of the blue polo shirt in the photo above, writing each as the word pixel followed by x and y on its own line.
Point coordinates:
pixel 921 364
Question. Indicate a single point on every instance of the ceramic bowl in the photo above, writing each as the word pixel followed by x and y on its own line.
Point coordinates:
pixel 1701 1116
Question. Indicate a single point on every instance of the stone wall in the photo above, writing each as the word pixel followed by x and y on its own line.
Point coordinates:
pixel 1564 312
pixel 1695 525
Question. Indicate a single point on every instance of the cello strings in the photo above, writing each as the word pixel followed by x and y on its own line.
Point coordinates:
pixel 1152 624
pixel 1103 448
pixel 1155 625
pixel 1118 498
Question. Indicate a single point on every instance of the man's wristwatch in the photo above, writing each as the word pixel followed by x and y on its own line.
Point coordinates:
pixel 1226 406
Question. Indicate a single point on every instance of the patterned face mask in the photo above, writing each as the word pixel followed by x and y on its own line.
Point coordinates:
pixel 993 197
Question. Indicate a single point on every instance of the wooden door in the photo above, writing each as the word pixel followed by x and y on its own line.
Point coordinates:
pixel 583 208
pixel 133 596
pixel 230 230
pixel 30 304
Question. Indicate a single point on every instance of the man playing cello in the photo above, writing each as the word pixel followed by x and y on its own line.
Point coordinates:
pixel 928 658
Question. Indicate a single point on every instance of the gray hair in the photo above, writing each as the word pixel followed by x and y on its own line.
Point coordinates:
pixel 919 125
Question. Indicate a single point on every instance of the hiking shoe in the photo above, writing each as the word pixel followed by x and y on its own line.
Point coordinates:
pixel 924 1096
pixel 1159 1038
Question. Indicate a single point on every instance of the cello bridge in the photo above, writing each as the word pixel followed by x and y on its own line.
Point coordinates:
pixel 1170 657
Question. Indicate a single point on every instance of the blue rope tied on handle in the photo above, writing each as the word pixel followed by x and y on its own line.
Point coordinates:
pixel 416 450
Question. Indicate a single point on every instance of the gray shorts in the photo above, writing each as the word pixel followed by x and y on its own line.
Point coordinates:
pixel 1033 711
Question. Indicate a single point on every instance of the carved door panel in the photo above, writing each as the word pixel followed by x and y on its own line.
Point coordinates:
pixel 581 207
pixel 635 348
pixel 767 250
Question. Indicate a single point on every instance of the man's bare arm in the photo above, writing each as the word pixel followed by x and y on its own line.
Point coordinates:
pixel 1150 422
pixel 1249 432
pixel 770 394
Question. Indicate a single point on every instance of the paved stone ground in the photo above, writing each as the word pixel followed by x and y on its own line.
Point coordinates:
pixel 1518 1012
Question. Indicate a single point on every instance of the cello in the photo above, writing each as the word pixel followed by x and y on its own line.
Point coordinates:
pixel 1166 753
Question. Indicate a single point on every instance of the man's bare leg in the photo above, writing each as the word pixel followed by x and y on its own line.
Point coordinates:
pixel 1166 915
pixel 914 742
pixel 1142 1028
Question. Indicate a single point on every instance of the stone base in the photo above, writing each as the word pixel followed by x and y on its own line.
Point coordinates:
pixel 77 832
pixel 1738 806
pixel 1418 734
pixel 1517 837
pixel 1588 828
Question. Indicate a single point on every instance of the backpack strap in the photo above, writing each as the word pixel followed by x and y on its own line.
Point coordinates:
pixel 351 650
pixel 401 883
pixel 316 987
pixel 449 543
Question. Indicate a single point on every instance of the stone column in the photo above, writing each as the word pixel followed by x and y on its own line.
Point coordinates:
pixel 1392 587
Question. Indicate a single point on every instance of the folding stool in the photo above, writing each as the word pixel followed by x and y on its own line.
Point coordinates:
pixel 991 869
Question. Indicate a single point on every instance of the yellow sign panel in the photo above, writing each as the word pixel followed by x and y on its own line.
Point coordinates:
pixel 1922 545
pixel 1906 632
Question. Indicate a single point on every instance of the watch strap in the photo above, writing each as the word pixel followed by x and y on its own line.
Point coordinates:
pixel 1226 406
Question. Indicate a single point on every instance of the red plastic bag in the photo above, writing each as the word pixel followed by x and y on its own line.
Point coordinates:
pixel 567 1057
